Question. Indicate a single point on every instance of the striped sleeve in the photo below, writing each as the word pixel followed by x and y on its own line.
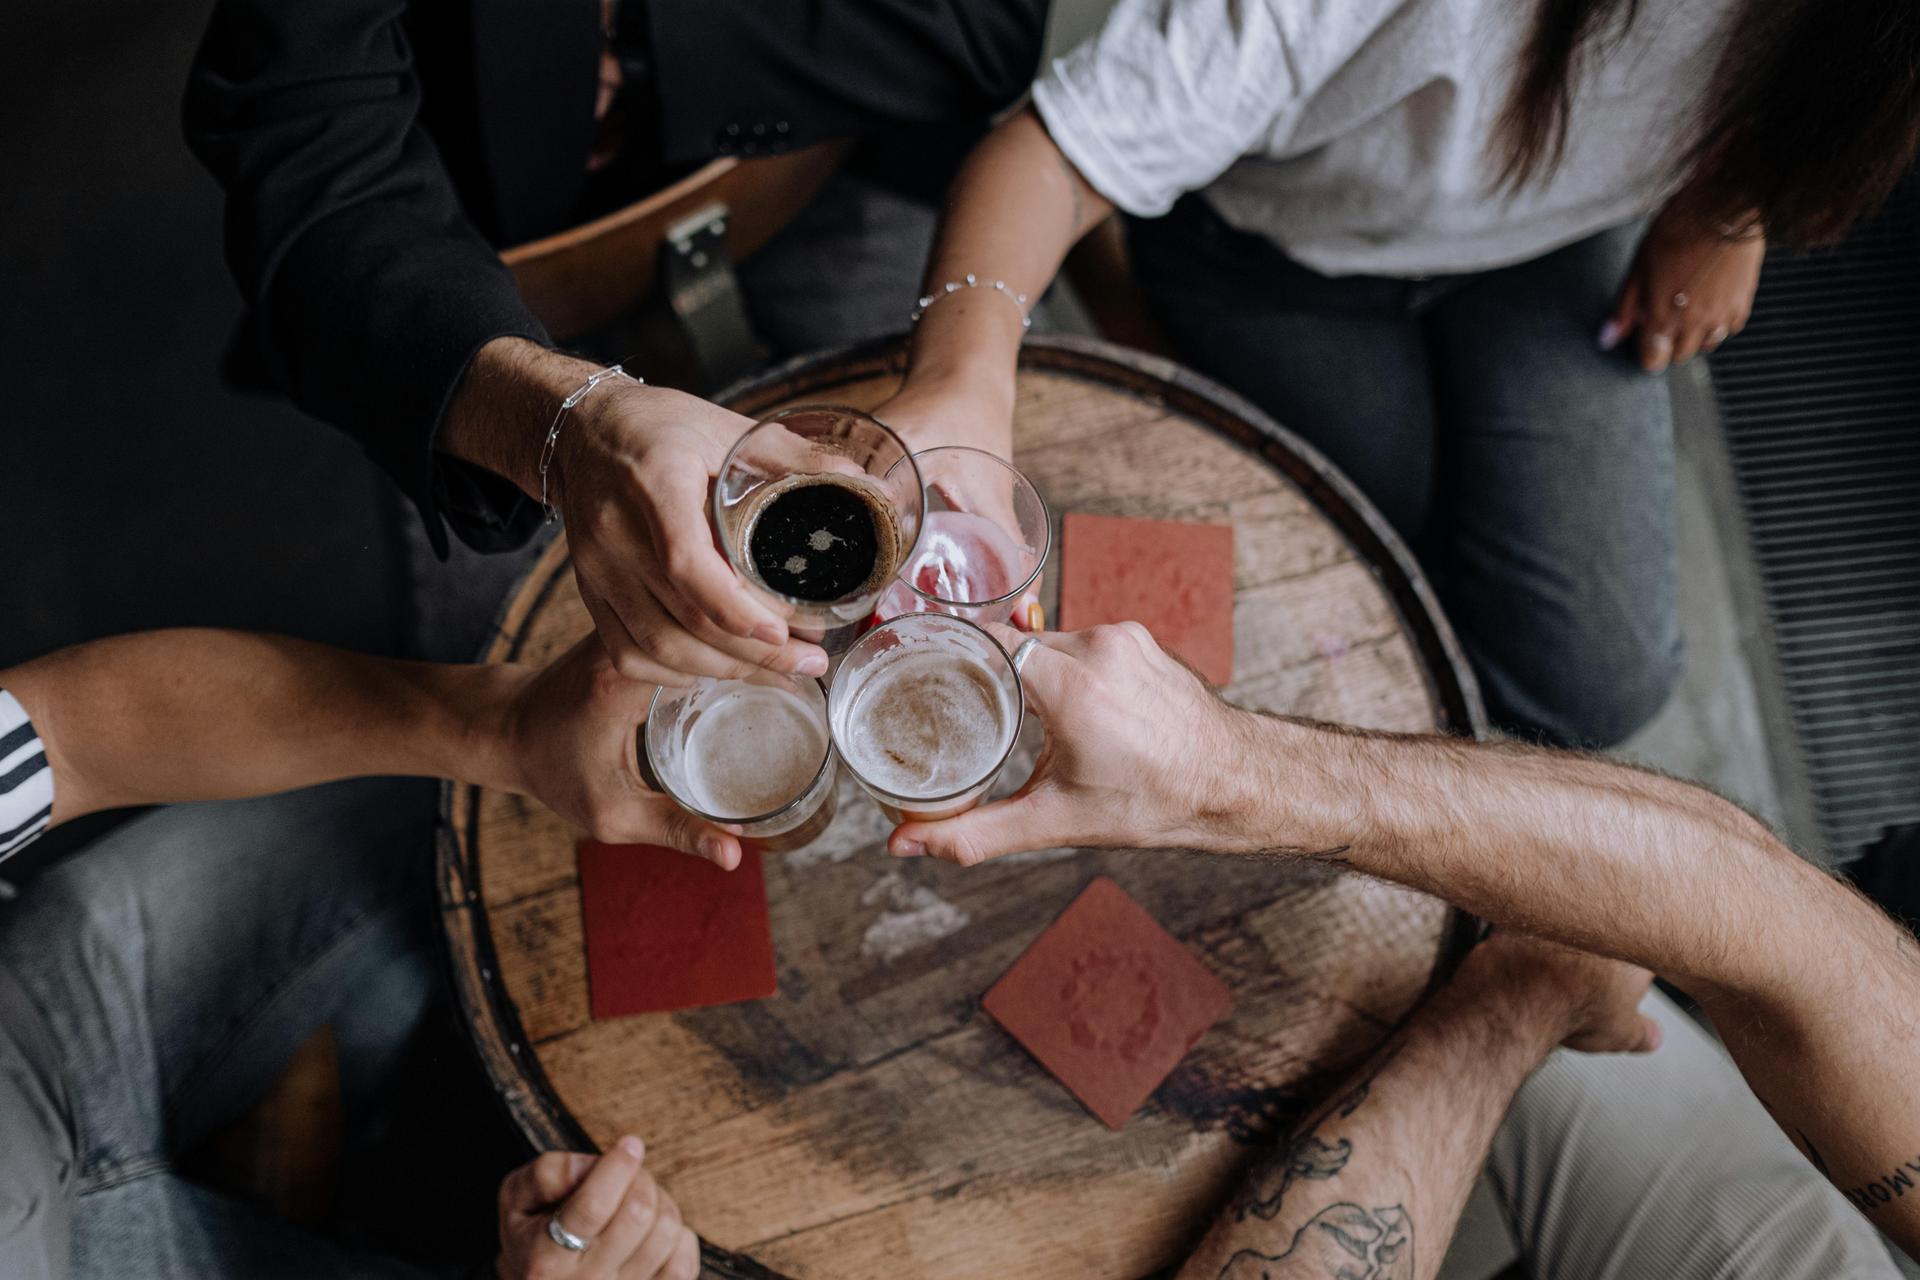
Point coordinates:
pixel 26 783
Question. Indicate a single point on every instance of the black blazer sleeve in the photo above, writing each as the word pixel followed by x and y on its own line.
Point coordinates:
pixel 741 76
pixel 368 288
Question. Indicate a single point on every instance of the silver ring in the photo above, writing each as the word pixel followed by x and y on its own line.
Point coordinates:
pixel 563 1237
pixel 1027 646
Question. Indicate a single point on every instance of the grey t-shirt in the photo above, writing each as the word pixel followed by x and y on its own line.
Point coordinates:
pixel 1353 133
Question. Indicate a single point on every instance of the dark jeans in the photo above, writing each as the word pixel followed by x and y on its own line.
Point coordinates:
pixel 1532 473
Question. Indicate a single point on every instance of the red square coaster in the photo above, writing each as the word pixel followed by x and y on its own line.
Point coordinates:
pixel 1174 578
pixel 1108 1001
pixel 666 930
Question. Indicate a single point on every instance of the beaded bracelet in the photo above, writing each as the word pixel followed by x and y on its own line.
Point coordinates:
pixel 973 282
pixel 559 416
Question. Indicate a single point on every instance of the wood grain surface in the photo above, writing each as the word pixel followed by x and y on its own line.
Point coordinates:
pixel 871 1121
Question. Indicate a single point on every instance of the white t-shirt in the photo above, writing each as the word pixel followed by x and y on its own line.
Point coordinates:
pixel 1353 133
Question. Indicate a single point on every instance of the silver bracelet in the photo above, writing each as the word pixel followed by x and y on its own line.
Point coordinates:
pixel 973 282
pixel 559 416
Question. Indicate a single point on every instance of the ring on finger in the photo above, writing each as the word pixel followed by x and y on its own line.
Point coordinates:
pixel 1680 300
pixel 1027 646
pixel 565 1238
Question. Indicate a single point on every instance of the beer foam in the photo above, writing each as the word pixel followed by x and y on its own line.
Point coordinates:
pixel 751 750
pixel 926 722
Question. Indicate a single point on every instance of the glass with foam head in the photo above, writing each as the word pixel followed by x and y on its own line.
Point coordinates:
pixel 924 711
pixel 819 507
pixel 983 540
pixel 755 752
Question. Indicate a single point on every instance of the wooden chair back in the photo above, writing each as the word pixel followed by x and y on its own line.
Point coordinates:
pixel 588 276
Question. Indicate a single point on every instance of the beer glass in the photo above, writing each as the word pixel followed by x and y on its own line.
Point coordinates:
pixel 756 752
pixel 819 507
pixel 983 539
pixel 924 711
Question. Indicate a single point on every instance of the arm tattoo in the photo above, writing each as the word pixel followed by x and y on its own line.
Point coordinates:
pixel 1341 1242
pixel 1885 1189
pixel 1305 1157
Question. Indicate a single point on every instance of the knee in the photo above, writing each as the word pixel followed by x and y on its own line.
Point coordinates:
pixel 1592 691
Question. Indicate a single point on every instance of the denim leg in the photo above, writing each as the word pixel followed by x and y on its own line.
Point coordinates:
pixel 1338 361
pixel 179 962
pixel 1559 566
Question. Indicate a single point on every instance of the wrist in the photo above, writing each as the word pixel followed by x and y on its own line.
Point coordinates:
pixel 500 412
pixel 1287 781
pixel 1509 988
pixel 484 703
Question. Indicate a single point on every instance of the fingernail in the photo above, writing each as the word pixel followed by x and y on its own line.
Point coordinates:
pixel 711 849
pixel 1610 335
pixel 770 633
pixel 814 664
pixel 631 1145
pixel 909 849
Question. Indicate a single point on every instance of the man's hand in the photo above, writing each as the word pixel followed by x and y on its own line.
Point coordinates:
pixel 573 735
pixel 1137 747
pixel 1689 289
pixel 1593 1003
pixel 630 478
pixel 630 474
pixel 632 1227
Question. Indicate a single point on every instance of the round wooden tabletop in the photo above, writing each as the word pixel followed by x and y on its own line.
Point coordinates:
pixel 871 1120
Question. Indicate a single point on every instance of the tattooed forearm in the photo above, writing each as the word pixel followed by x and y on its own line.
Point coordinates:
pixel 1305 1157
pixel 1341 1242
pixel 1895 1184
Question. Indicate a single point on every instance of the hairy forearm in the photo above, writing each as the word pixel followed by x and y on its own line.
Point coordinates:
pixel 1815 991
pixel 181 715
pixel 1379 1175
pixel 499 414
pixel 1592 854
pixel 1016 207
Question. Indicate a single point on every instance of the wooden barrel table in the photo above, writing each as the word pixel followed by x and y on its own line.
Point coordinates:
pixel 871 1121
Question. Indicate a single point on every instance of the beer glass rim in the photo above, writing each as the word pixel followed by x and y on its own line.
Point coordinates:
pixel 826 762
pixel 736 555
pixel 1046 530
pixel 1019 706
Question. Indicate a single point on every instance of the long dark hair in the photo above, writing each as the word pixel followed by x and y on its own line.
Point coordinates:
pixel 1811 116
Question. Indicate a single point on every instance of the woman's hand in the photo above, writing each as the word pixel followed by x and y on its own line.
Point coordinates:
pixel 1689 289
pixel 573 737
pixel 632 1227
pixel 632 469
pixel 928 417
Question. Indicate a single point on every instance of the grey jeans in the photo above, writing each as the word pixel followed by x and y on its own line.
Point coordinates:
pixel 1532 473
pixel 153 986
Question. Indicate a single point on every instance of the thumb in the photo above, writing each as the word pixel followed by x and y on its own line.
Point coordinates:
pixel 979 835
pixel 655 819
pixel 1626 314
pixel 1650 1035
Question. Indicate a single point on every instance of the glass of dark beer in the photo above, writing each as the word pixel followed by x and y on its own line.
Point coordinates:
pixel 924 711
pixel 755 752
pixel 819 507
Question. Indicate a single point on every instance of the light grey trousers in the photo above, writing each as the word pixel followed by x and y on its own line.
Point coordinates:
pixel 1661 1166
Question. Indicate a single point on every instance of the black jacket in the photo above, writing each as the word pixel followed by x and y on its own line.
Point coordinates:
pixel 375 153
